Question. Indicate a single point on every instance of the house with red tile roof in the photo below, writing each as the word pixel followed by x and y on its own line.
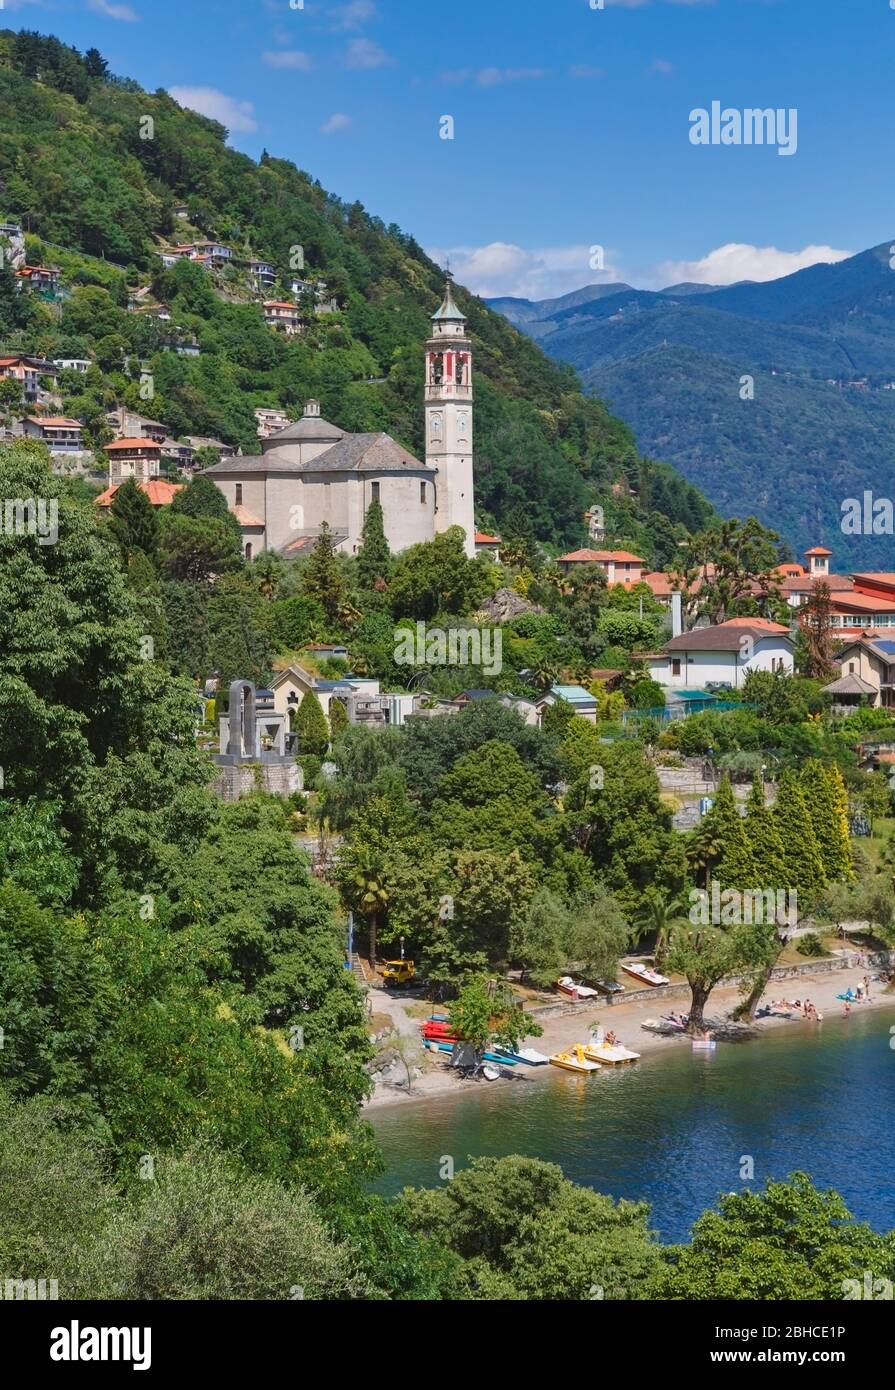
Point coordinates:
pixel 619 566
pixel 27 371
pixel 487 545
pixel 43 279
pixel 133 458
pixel 60 434
pixel 159 492
pixel 282 314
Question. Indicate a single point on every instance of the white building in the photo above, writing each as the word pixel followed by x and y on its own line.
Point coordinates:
pixel 724 654
pixel 312 472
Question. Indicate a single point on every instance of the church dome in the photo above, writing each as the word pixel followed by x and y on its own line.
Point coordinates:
pixel 310 429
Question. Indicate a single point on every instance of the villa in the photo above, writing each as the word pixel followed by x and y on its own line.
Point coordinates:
pixel 723 654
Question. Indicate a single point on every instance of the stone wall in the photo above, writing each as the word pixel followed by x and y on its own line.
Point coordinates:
pixel 242 779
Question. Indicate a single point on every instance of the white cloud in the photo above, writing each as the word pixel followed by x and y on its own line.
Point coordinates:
pixel 338 121
pixel 125 13
pixel 661 66
pixel 492 77
pixel 352 16
pixel 208 101
pixel 364 53
pixel 584 70
pixel 740 261
pixel 287 58
pixel 501 268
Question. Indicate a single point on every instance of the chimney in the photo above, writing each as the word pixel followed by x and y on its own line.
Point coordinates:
pixel 312 408
pixel 677 620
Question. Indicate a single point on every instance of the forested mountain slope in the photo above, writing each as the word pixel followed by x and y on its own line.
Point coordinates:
pixel 819 346
pixel 93 167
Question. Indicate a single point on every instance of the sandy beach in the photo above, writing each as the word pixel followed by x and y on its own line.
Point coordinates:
pixel 625 1020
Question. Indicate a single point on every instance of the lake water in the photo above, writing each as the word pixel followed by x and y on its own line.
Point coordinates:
pixel 673 1128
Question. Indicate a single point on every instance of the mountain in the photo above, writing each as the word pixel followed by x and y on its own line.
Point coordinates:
pixel 820 348
pixel 538 317
pixel 94 168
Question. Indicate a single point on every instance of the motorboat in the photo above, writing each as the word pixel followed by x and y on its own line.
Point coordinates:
pixel 575 990
pixel 574 1060
pixel 645 974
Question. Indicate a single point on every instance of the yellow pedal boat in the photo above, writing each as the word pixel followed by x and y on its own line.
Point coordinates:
pixel 575 1060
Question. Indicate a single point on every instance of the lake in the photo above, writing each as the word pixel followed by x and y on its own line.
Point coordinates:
pixel 673 1129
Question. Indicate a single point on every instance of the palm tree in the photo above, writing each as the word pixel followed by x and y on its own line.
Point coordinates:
pixel 704 850
pixel 544 671
pixel 366 890
pixel 660 912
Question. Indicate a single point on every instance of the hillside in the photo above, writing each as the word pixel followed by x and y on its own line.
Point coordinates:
pixel 820 345
pixel 97 199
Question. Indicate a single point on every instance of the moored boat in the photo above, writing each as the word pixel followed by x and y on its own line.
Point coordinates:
pixel 566 985
pixel 609 1054
pixel 529 1055
pixel 645 974
pixel 574 1060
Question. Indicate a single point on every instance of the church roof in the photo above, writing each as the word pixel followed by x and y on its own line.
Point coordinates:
pixel 310 429
pixel 448 309
pixel 352 453
pixel 366 453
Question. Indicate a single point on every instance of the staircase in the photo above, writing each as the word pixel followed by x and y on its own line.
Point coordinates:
pixel 359 969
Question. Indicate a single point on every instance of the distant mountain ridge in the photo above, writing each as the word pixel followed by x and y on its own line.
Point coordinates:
pixel 819 346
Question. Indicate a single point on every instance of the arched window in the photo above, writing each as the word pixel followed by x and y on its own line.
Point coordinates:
pixel 248 551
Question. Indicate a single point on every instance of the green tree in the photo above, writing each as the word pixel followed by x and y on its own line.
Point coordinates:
pixel 133 520
pixel 735 867
pixel 805 871
pixel 787 1241
pixel 322 579
pixel 437 577
pixel 197 548
pixel 522 1229
pixel 374 561
pixel 763 836
pixel 824 792
pixel 311 725
pixel 540 941
pixel 338 718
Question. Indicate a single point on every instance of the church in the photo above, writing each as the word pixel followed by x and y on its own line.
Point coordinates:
pixel 312 472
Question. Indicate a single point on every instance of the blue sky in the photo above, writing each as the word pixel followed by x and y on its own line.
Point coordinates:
pixel 571 124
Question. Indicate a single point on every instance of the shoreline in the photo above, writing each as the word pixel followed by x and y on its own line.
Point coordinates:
pixel 625 1020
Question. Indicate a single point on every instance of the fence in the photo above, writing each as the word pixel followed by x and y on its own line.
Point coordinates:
pixel 680 709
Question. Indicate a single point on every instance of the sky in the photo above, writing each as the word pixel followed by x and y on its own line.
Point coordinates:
pixel 572 159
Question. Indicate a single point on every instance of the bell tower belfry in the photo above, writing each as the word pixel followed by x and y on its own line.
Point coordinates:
pixel 449 419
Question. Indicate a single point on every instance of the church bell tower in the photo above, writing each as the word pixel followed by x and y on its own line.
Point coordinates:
pixel 449 419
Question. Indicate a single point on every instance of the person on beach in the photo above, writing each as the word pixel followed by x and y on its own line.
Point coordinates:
pixel 867 988
pixel 847 1008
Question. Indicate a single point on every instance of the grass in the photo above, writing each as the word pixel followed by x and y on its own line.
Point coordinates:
pixel 872 845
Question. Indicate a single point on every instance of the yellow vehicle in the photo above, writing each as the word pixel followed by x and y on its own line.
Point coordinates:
pixel 397 972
